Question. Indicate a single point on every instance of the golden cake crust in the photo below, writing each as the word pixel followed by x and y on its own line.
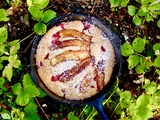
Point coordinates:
pixel 75 60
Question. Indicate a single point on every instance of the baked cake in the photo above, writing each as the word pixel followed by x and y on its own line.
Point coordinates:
pixel 75 60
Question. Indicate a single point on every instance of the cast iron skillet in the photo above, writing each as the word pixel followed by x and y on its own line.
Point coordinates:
pixel 97 99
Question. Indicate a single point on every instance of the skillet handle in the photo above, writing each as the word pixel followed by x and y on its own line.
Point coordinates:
pixel 98 105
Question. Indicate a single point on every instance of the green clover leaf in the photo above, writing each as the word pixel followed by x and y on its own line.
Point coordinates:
pixel 40 28
pixel 16 88
pixel 3 34
pixel 48 15
pixel 138 44
pixel 127 49
pixel 22 98
pixel 3 16
pixel 137 21
pixel 131 10
pixel 133 61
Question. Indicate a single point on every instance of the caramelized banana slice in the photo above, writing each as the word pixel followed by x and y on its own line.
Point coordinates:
pixel 69 55
pixel 99 78
pixel 84 84
pixel 75 34
pixel 99 74
pixel 72 42
pixel 69 74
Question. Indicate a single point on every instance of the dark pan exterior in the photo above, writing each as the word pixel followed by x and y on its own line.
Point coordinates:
pixel 114 39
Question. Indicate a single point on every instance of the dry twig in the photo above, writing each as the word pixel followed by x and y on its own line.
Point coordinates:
pixel 41 108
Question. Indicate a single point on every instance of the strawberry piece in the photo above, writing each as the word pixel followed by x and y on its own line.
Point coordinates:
pixel 55 78
pixel 86 26
pixel 41 64
pixel 92 86
pixel 63 90
pixel 103 49
pixel 47 55
pixel 56 35
pixel 62 26
pixel 54 41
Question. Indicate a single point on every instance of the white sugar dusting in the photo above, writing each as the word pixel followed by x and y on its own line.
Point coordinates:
pixel 59 51
pixel 77 25
pixel 63 66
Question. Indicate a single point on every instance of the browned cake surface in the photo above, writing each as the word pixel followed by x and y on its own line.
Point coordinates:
pixel 75 60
